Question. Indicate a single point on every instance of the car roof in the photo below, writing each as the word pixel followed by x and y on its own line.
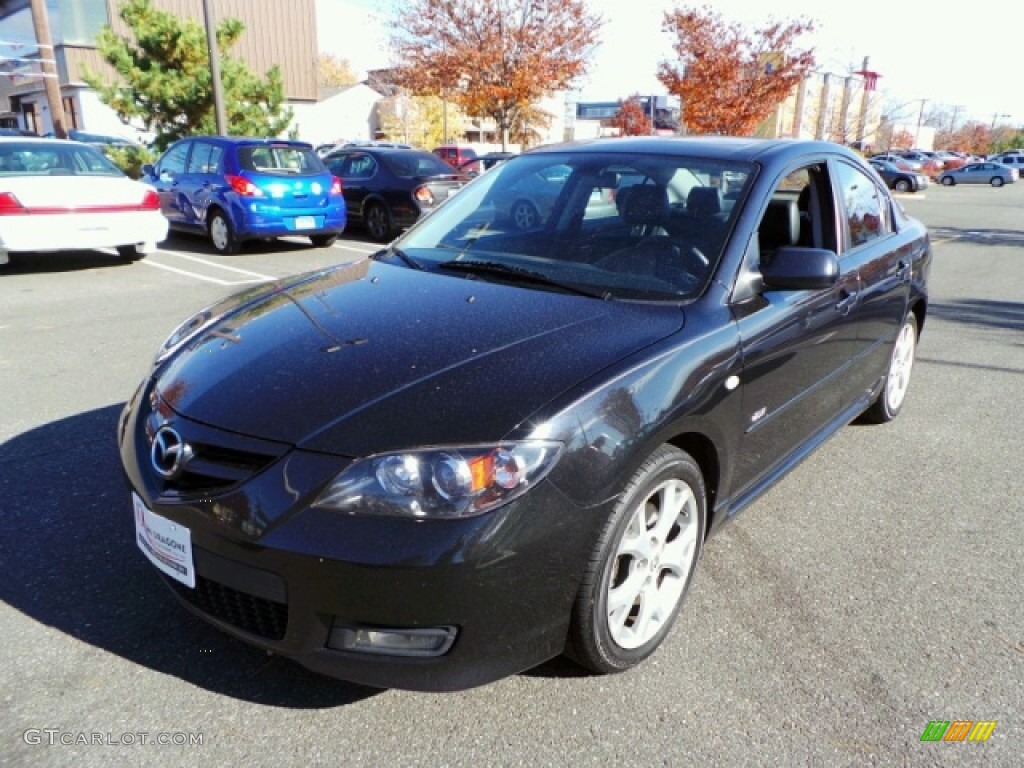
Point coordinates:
pixel 711 147
pixel 247 140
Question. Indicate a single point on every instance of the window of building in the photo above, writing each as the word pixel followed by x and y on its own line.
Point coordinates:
pixel 70 113
pixel 77 21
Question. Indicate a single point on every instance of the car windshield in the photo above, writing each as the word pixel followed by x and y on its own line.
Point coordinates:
pixel 280 159
pixel 407 165
pixel 627 227
pixel 54 159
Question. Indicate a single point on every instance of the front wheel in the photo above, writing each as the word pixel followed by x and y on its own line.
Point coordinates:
pixel 997 181
pixel 642 565
pixel 222 234
pixel 901 185
pixel 525 215
pixel 322 241
pixel 947 181
pixel 897 379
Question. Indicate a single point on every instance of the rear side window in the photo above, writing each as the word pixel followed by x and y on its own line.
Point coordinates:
pixel 205 158
pixel 280 160
pixel 407 165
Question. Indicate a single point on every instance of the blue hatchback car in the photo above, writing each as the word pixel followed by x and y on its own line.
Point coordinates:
pixel 237 189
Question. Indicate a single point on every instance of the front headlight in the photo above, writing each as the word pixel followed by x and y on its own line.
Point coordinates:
pixel 440 482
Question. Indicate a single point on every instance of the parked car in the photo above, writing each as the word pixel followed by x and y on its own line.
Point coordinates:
pixel 388 189
pixel 1011 160
pixel 481 447
pixel 898 179
pixel 65 196
pixel 455 154
pixel 979 173
pixel 900 161
pixel 101 141
pixel 237 189
pixel 483 163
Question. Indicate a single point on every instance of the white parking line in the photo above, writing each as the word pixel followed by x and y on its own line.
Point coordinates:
pixel 199 260
pixel 373 248
pixel 196 275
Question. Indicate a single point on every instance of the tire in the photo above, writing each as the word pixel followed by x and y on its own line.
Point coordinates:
pixel 129 253
pixel 642 566
pixel 322 241
pixel 378 222
pixel 997 181
pixel 222 234
pixel 525 215
pixel 948 181
pixel 901 185
pixel 890 400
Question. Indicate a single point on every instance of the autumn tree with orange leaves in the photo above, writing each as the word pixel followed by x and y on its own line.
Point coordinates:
pixel 632 120
pixel 492 58
pixel 729 81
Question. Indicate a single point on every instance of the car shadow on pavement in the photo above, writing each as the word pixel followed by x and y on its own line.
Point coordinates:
pixel 60 261
pixel 70 562
pixel 986 313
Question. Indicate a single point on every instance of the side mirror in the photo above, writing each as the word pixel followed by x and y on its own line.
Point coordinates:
pixel 792 268
pixel 148 170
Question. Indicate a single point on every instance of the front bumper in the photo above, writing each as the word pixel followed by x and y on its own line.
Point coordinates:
pixel 281 575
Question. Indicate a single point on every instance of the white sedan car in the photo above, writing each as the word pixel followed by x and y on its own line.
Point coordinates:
pixel 63 195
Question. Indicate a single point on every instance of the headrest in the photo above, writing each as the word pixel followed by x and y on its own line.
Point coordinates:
pixel 780 225
pixel 645 205
pixel 704 201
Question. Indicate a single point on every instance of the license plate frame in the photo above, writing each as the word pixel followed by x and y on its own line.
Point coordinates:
pixel 165 543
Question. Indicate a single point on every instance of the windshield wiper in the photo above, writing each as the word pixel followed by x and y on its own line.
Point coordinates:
pixel 519 274
pixel 405 258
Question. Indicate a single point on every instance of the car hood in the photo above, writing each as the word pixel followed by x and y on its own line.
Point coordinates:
pixel 369 357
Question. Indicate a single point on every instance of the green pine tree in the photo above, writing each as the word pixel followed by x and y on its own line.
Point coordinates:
pixel 164 78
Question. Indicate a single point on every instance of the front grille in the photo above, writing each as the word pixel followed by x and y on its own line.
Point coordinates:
pixel 216 467
pixel 252 614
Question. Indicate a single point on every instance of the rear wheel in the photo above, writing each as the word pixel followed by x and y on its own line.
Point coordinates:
pixel 997 181
pixel 322 241
pixel 129 252
pixel 222 234
pixel 947 181
pixel 642 566
pixel 378 222
pixel 897 379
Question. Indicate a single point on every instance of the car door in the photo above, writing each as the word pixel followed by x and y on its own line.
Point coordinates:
pixel 198 185
pixel 873 250
pixel 168 174
pixel 355 172
pixel 796 344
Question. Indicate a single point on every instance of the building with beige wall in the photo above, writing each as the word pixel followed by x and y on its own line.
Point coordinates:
pixel 276 32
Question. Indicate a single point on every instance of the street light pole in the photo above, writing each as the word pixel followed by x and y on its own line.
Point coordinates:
pixel 218 87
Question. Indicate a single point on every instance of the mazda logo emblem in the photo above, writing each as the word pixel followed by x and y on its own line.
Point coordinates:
pixel 169 453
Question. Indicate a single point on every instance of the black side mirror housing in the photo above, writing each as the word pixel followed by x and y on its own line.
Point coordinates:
pixel 792 268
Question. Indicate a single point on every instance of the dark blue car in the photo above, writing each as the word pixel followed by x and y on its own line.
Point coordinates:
pixel 238 189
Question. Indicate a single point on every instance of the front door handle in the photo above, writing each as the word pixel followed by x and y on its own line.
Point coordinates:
pixel 847 303
pixel 903 271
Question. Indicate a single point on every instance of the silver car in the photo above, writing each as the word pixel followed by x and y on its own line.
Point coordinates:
pixel 995 174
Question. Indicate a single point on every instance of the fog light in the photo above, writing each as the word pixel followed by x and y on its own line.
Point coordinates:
pixel 434 641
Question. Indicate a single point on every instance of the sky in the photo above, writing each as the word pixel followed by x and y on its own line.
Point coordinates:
pixel 968 60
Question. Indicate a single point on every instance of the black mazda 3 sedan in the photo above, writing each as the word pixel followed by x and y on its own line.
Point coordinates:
pixel 487 445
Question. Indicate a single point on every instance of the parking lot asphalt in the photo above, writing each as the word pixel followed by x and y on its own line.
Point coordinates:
pixel 876 589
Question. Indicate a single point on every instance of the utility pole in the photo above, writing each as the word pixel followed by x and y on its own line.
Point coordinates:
pixel 48 65
pixel 218 87
pixel 952 122
pixel 920 119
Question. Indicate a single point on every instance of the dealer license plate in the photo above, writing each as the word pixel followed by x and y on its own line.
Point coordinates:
pixel 167 544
